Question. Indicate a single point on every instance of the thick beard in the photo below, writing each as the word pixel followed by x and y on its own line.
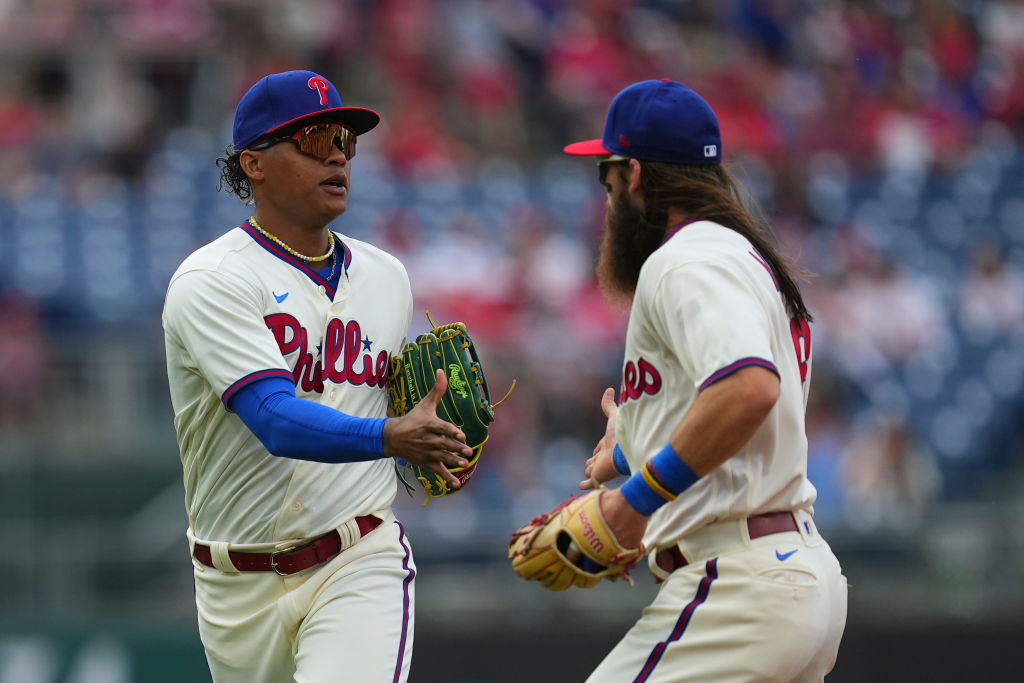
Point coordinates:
pixel 629 239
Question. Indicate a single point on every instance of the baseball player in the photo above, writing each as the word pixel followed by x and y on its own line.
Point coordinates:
pixel 278 336
pixel 708 424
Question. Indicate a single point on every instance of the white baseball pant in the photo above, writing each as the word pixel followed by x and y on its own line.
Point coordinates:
pixel 349 619
pixel 768 609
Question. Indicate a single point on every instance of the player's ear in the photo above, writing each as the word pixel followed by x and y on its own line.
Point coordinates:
pixel 633 179
pixel 252 164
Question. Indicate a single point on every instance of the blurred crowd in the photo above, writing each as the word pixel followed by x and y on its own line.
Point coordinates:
pixel 882 138
pixel 93 87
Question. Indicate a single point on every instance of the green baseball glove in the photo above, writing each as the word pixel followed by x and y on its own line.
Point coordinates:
pixel 466 403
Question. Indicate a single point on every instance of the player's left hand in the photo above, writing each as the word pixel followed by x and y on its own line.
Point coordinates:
pixel 626 523
pixel 573 545
pixel 600 467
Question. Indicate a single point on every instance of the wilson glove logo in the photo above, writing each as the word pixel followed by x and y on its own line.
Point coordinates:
pixel 455 382
pixel 590 534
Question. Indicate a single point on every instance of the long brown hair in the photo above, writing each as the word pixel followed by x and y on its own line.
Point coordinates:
pixel 711 193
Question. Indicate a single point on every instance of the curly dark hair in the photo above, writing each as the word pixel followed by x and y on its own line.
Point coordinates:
pixel 232 178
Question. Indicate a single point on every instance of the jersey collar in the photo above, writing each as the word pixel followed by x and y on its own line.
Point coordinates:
pixel 276 250
pixel 673 230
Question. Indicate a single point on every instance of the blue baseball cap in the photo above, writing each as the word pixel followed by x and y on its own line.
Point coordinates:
pixel 283 99
pixel 658 121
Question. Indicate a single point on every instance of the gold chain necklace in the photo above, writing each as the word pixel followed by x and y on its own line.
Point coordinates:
pixel 307 259
pixel 334 259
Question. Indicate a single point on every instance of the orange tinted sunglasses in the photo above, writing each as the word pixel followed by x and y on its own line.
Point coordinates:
pixel 317 140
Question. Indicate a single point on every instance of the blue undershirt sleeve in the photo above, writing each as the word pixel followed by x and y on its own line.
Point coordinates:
pixel 292 427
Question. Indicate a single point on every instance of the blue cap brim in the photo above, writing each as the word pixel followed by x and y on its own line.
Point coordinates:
pixel 359 119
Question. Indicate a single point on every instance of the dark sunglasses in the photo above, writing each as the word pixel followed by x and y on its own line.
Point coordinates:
pixel 317 140
pixel 602 169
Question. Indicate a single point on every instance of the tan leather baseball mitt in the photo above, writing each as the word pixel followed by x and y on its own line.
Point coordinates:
pixel 539 550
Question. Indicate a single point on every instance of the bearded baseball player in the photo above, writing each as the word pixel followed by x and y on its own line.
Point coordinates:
pixel 708 424
pixel 278 338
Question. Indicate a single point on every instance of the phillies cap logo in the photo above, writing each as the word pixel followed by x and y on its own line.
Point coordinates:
pixel 282 99
pixel 321 86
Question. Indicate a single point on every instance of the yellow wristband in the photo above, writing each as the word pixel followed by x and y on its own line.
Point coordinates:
pixel 653 482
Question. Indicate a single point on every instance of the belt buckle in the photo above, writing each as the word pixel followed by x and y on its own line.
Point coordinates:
pixel 273 557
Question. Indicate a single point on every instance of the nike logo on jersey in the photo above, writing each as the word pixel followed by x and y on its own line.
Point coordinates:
pixel 784 556
pixel 280 298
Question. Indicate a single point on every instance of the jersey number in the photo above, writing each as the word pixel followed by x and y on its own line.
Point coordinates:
pixel 801 332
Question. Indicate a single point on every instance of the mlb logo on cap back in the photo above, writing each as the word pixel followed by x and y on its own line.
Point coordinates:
pixel 658 121
pixel 283 99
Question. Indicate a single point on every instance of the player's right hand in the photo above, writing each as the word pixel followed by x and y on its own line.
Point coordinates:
pixel 422 438
pixel 600 467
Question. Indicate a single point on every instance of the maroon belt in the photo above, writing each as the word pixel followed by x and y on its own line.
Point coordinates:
pixel 291 560
pixel 672 558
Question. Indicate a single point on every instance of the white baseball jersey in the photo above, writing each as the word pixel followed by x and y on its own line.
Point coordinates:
pixel 706 305
pixel 241 309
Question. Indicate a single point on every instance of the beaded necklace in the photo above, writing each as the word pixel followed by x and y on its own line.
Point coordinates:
pixel 307 259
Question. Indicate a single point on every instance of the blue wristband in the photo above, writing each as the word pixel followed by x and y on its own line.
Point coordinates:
pixel 659 481
pixel 619 460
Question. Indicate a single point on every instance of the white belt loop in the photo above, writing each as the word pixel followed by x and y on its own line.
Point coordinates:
pixel 805 525
pixel 220 557
pixel 349 532
pixel 652 564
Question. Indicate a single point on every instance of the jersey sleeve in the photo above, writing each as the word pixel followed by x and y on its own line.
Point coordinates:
pixel 713 319
pixel 218 319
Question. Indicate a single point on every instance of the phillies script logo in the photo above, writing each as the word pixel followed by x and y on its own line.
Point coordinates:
pixel 638 379
pixel 342 359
